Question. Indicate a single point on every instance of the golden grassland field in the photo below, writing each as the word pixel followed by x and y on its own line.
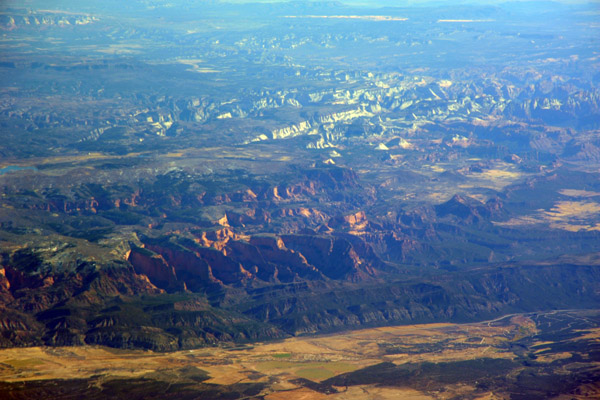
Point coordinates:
pixel 281 364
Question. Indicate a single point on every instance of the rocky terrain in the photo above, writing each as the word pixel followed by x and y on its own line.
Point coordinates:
pixel 176 181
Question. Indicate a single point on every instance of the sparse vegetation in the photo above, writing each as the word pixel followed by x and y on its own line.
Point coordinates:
pixel 238 178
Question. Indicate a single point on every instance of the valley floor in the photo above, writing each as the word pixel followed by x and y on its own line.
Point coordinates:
pixel 536 355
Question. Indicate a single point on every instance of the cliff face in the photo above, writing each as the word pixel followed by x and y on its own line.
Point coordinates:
pixel 333 257
pixel 122 304
pixel 448 297
pixel 173 292
pixel 154 267
pixel 171 266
